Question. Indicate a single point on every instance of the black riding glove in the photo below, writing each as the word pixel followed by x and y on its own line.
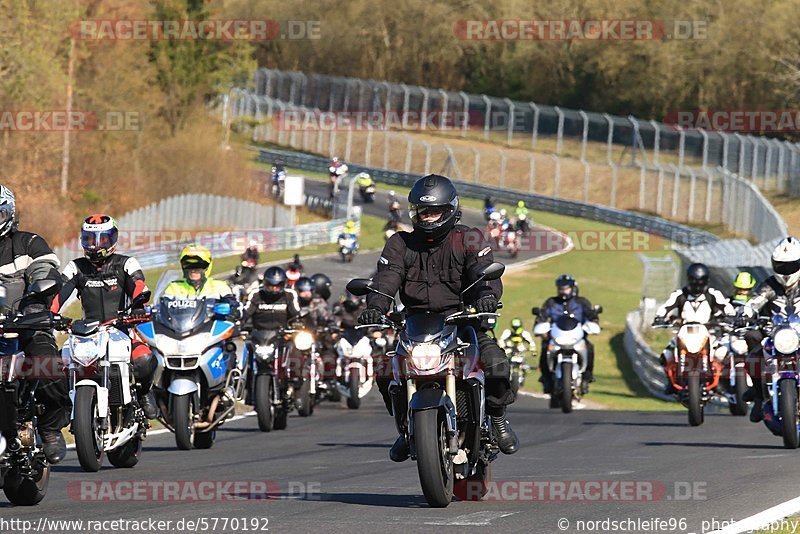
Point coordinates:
pixel 486 304
pixel 370 316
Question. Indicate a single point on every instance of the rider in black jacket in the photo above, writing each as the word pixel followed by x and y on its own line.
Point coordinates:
pixel 26 258
pixel 107 283
pixel 429 267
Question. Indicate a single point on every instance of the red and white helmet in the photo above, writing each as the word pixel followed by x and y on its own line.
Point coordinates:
pixel 99 234
pixel 786 261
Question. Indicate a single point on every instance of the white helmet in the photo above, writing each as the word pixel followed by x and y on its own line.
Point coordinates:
pixel 786 261
pixel 503 213
pixel 335 159
pixel 8 210
pixel 495 216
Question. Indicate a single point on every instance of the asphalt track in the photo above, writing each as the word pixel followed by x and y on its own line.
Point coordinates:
pixel 330 473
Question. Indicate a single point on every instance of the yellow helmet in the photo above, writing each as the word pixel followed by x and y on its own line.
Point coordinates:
pixel 521 204
pixel 349 225
pixel 744 280
pixel 196 256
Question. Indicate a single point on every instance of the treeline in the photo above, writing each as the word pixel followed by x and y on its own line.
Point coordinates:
pixel 746 55
pixel 143 130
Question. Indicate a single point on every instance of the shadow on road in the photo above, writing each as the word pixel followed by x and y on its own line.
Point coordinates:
pixel 625 423
pixel 367 499
pixel 359 445
pixel 710 445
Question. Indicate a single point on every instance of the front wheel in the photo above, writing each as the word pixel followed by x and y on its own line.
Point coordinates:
pixel 88 436
pixel 566 387
pixel 182 419
pixel 434 463
pixel 515 381
pixel 695 399
pixel 304 399
pixel 28 490
pixel 740 408
pixel 354 402
pixel 264 407
pixel 788 406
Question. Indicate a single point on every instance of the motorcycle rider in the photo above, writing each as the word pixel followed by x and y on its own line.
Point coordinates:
pixel 743 286
pixel 521 215
pixel 106 283
pixel 270 308
pixel 348 309
pixel 26 258
pixel 488 207
pixel 349 232
pixel 775 295
pixel 566 300
pixel 517 334
pixel 336 170
pixel 695 301
pixel 294 271
pixel 429 266
pixel 322 292
pixel 251 254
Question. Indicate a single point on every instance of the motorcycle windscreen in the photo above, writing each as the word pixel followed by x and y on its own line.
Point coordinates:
pixel 182 315
pixel 166 278
pixel 424 327
pixel 565 323
pixel 353 336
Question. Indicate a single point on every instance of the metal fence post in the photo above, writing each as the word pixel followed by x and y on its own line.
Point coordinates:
pixel 675 189
pixel 424 113
pixel 532 174
pixel 502 167
pixel 660 190
pixel 409 148
pixel 585 134
pixel 614 179
pixel 681 146
pixel 560 131
pixel 368 148
pixel 405 105
pixel 487 116
pixel 535 127
pixel 754 166
pixel 465 127
pixel 556 175
pixel 427 157
pixel 476 172
pixel 610 138
pixel 709 194
pixel 725 149
pixel 642 186
pixel 510 119
pixel 767 164
pixel 586 180
pixel 692 192
pixel 656 141
pixel 704 134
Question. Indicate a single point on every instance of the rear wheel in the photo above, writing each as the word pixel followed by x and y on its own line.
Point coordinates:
pixel 264 407
pixel 88 437
pixel 566 387
pixel 354 402
pixel 695 399
pixel 281 416
pixel 182 419
pixel 434 463
pixel 126 456
pixel 788 406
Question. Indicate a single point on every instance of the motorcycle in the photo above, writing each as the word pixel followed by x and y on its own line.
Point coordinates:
pixel 267 370
pixel 566 355
pixel 106 416
pixel 448 432
pixel 517 353
pixel 367 191
pixel 24 470
pixel 733 348
pixel 354 366
pixel 697 372
pixel 302 367
pixel 348 245
pixel 196 384
pixel 522 225
pixel 278 182
pixel 336 174
pixel 510 241
pixel 781 356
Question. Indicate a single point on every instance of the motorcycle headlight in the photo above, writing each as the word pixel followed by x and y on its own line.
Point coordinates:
pixel 303 340
pixel 264 352
pixel 739 346
pixel 785 341
pixel 426 356
pixel 84 351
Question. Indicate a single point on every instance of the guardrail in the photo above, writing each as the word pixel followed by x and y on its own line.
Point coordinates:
pixel 643 359
pixel 675 232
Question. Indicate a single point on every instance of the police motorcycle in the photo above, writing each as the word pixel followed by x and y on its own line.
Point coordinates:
pixel 199 374
pixel 438 364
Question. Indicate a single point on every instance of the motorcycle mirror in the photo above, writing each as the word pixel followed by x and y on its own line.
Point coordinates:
pixel 598 308
pixel 360 286
pixel 493 271
pixel 44 288
pixel 536 310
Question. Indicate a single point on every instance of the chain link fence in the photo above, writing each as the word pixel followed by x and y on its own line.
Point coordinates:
pixel 586 136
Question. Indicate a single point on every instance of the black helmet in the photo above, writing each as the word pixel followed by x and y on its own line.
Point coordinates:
pixel 350 302
pixel 274 280
pixel 697 278
pixel 434 192
pixel 304 284
pixel 562 283
pixel 322 285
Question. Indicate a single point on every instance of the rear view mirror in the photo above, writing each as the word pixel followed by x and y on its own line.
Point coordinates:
pixel 598 309
pixel 360 286
pixel 493 271
pixel 44 288
pixel 536 310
